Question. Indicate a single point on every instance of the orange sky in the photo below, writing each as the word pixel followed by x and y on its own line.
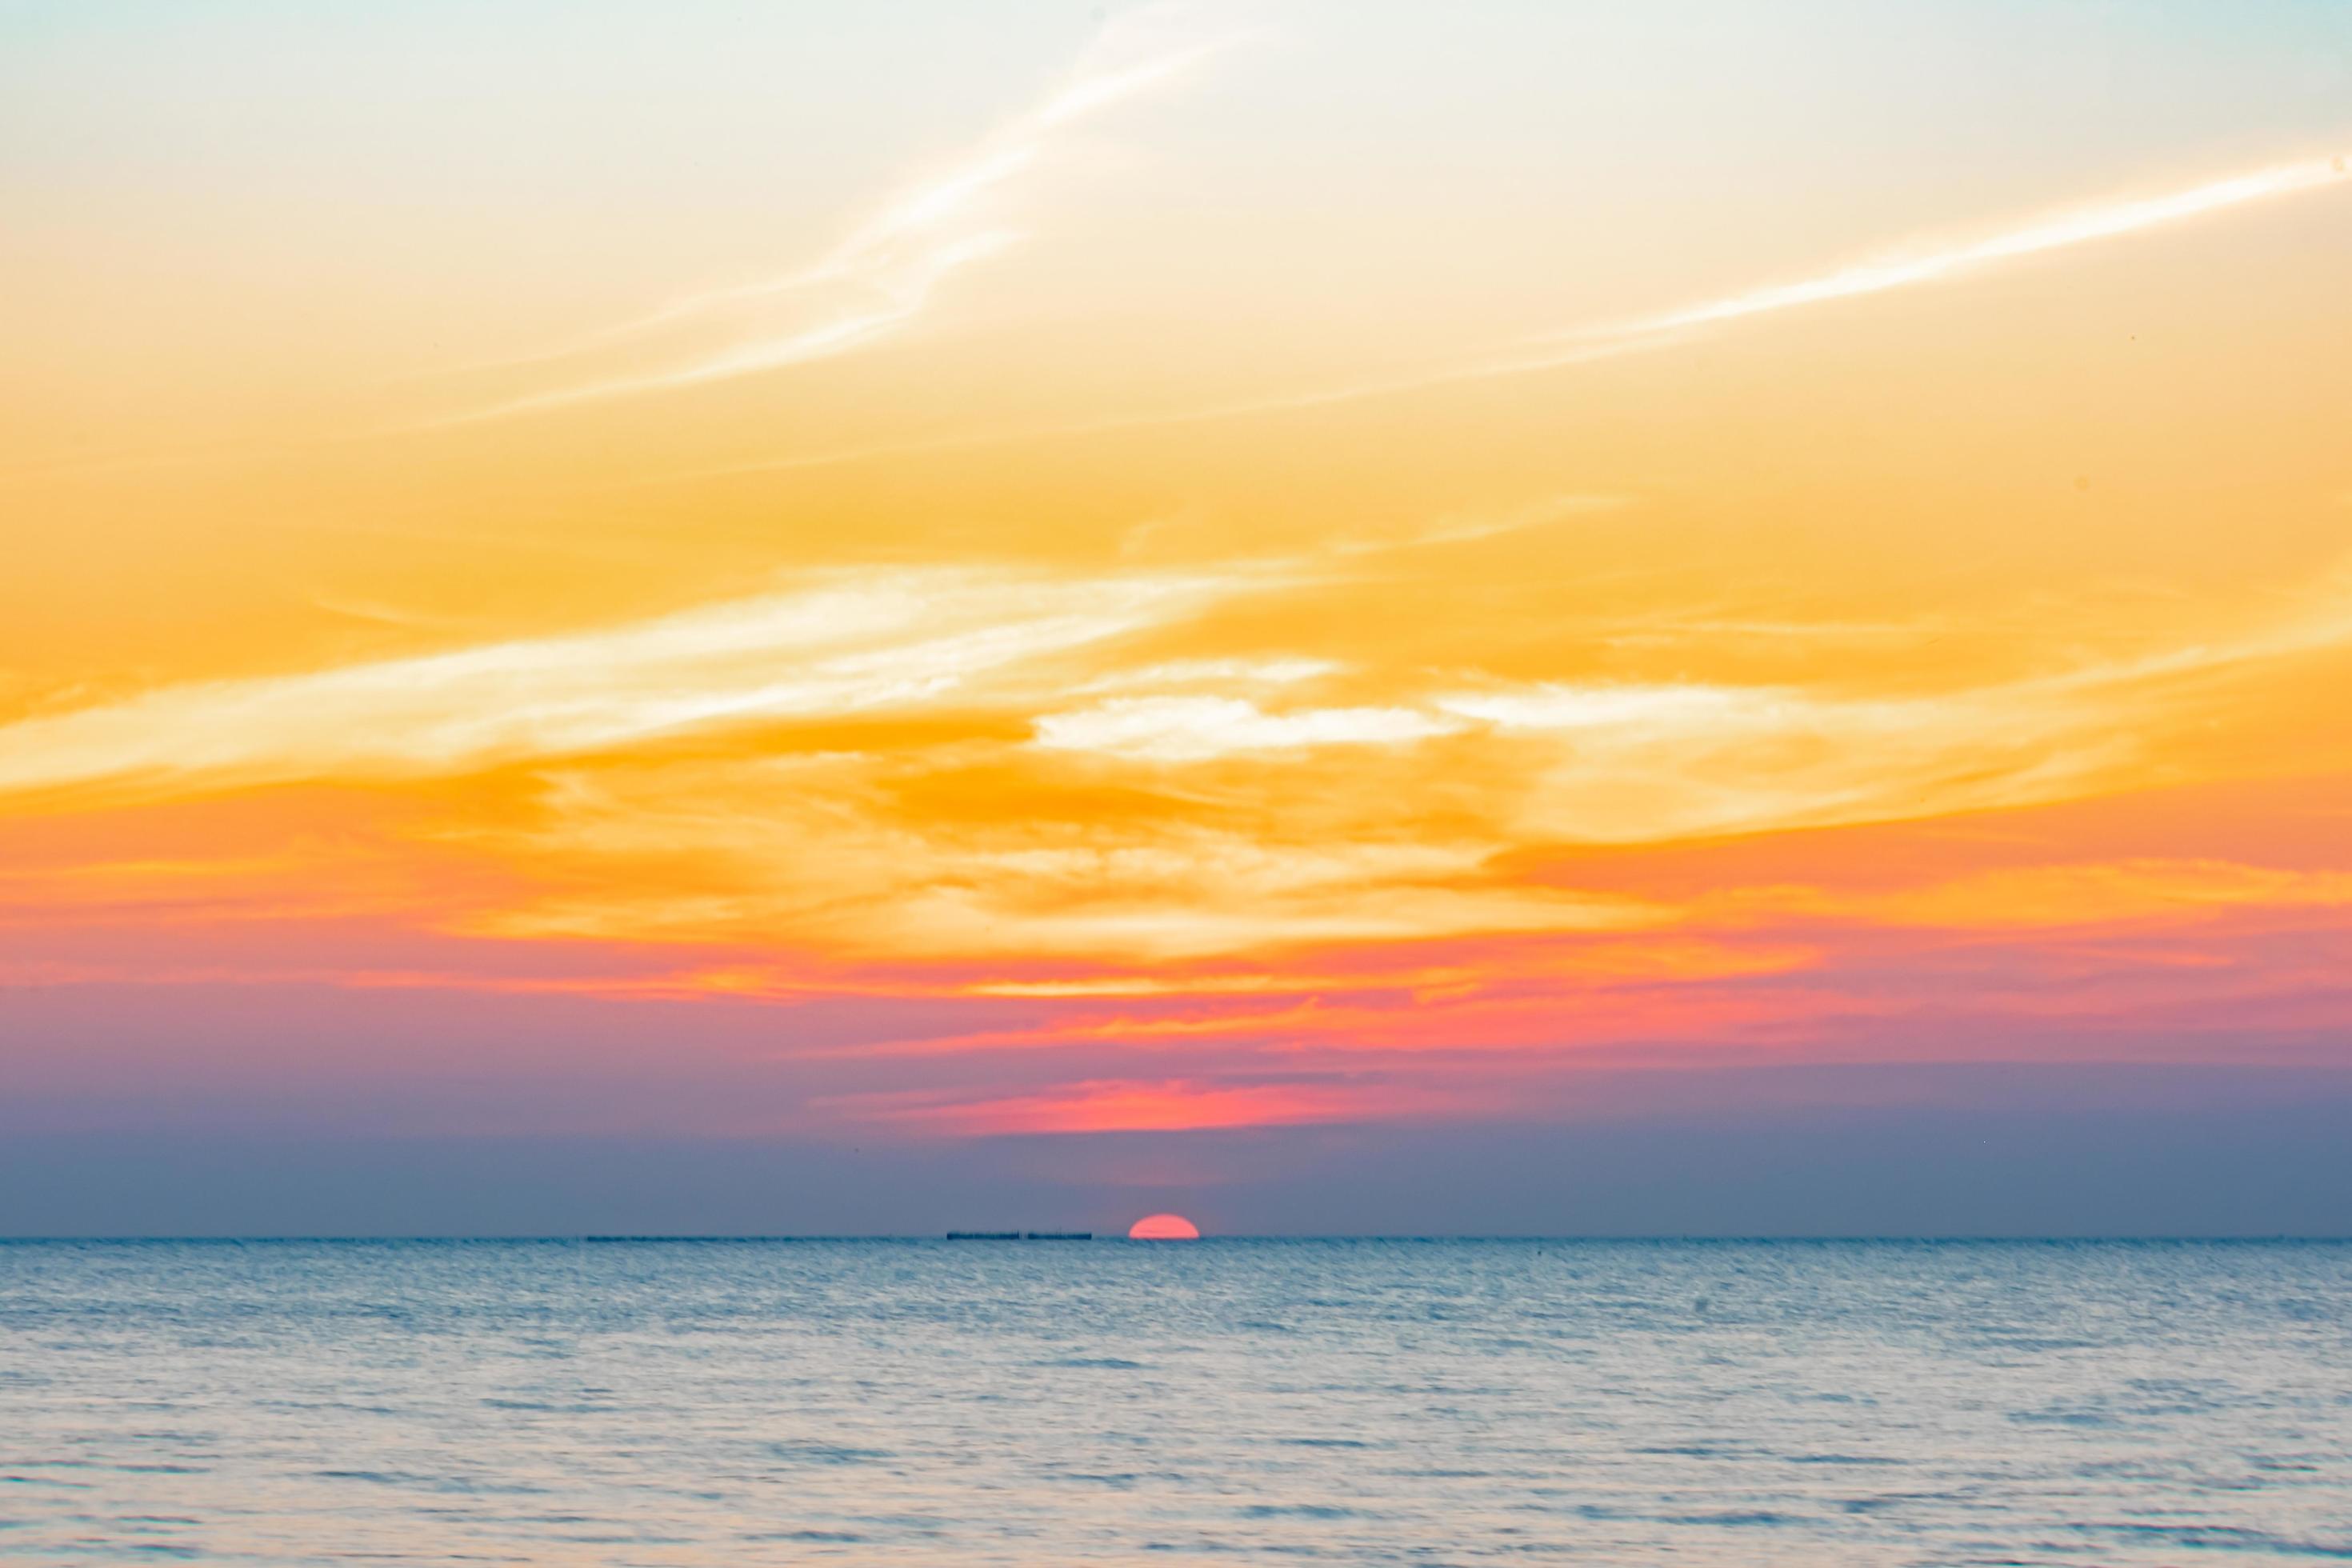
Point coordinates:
pixel 1220 567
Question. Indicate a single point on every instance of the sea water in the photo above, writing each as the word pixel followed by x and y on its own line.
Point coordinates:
pixel 1224 1402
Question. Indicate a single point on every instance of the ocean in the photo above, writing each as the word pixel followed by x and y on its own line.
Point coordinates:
pixel 710 1403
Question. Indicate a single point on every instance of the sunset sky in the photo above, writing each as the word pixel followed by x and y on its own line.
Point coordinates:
pixel 1116 608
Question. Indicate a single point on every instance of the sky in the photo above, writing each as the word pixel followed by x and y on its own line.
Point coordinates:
pixel 1360 618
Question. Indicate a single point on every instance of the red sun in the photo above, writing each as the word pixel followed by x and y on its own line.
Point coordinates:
pixel 1163 1227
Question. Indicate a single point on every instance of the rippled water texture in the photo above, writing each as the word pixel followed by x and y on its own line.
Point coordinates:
pixel 710 1403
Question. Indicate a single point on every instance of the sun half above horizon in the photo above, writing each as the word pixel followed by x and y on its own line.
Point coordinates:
pixel 1163 1227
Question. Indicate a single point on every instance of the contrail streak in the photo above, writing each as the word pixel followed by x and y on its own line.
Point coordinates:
pixel 2105 221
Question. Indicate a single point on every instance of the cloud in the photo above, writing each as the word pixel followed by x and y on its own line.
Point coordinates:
pixel 2140 888
pixel 1025 819
pixel 1562 349
pixel 884 273
pixel 854 644
pixel 1566 348
pixel 1227 672
pixel 2077 225
pixel 1197 729
pixel 853 856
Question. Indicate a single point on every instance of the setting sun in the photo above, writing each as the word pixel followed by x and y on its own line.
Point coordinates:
pixel 1163 1227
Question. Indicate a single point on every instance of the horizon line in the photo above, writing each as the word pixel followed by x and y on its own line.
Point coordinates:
pixel 1582 1238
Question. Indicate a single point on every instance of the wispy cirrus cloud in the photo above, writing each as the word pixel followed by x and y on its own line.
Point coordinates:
pixel 885 272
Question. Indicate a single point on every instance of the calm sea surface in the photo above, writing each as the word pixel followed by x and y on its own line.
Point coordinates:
pixel 717 1403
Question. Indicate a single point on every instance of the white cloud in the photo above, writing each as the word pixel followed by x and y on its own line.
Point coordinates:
pixel 853 645
pixel 2079 225
pixel 1222 672
pixel 1198 728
